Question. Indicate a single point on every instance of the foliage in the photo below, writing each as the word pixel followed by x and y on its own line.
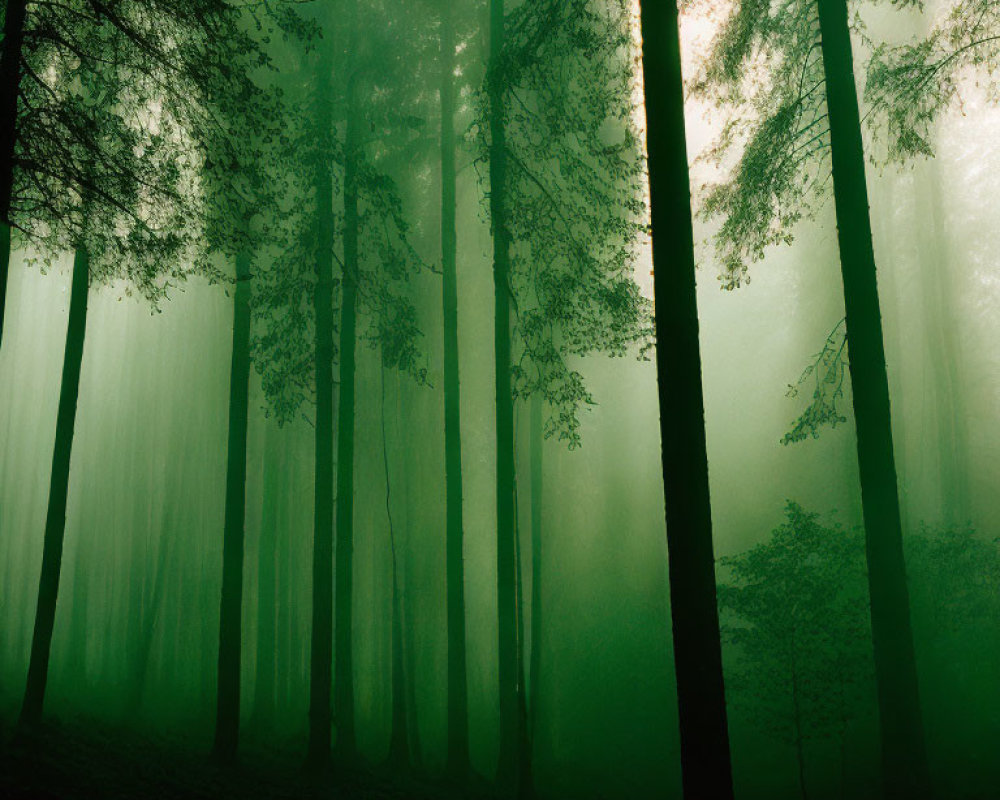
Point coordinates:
pixel 956 589
pixel 910 85
pixel 827 370
pixel 765 73
pixel 283 343
pixel 123 108
pixel 795 612
pixel 574 194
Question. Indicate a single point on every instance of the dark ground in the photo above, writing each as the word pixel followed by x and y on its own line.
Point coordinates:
pixel 87 761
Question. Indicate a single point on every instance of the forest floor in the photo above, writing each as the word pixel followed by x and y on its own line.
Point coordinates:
pixel 81 761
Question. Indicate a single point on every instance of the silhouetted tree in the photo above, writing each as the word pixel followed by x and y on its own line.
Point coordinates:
pixel 793 132
pixel 706 767
pixel 298 339
pixel 565 204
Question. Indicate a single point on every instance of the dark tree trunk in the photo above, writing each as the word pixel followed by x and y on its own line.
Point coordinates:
pixel 705 759
pixel 227 716
pixel 267 596
pixel 904 758
pixel 399 750
pixel 10 85
pixel 55 522
pixel 458 711
pixel 5 253
pixel 321 653
pixel 344 683
pixel 535 456
pixel 508 669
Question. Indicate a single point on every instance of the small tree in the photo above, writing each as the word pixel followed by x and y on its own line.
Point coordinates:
pixel 794 125
pixel 795 611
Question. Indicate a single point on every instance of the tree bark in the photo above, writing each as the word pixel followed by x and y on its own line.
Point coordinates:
pixel 55 522
pixel 267 596
pixel 344 674
pixel 10 86
pixel 535 456
pixel 227 715
pixel 321 652
pixel 705 759
pixel 904 760
pixel 458 712
pixel 508 667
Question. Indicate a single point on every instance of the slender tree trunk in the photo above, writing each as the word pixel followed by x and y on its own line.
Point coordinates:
pixel 321 653
pixel 458 711
pixel 535 456
pixel 525 774
pixel 227 717
pixel 399 751
pixel 267 596
pixel 904 758
pixel 800 756
pixel 5 254
pixel 10 86
pixel 705 760
pixel 55 522
pixel 508 669
pixel 344 682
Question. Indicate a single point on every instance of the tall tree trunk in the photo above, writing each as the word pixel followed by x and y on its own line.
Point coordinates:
pixel 508 668
pixel 800 755
pixel 535 456
pixel 399 750
pixel 321 653
pixel 344 682
pixel 458 704
pixel 705 760
pixel 227 718
pixel 10 86
pixel 267 596
pixel 5 254
pixel 55 521
pixel 904 759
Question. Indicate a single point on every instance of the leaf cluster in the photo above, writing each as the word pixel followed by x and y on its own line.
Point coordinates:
pixel 795 611
pixel 574 194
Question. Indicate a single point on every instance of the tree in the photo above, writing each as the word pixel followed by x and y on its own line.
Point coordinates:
pixel 165 55
pixel 706 767
pixel 106 164
pixel 796 612
pixel 794 131
pixel 458 703
pixel 565 204
pixel 298 340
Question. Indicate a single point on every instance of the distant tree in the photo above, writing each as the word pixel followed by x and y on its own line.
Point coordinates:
pixel 565 203
pixel 343 145
pixel 792 131
pixel 108 164
pixel 706 766
pixel 795 612
pixel 113 184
